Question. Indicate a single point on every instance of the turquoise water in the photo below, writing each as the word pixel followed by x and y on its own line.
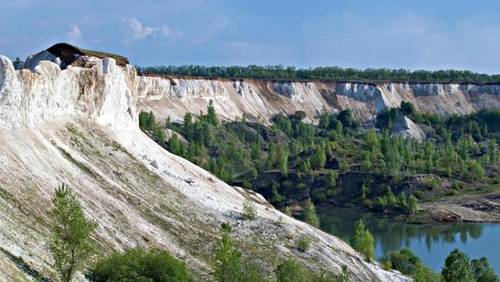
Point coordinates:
pixel 431 242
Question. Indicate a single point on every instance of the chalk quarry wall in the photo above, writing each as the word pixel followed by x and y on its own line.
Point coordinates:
pixel 262 99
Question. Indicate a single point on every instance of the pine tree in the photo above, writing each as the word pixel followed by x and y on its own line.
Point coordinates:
pixel 310 215
pixel 457 268
pixel 362 240
pixel 211 114
pixel 318 160
pixel 412 204
pixel 71 245
pixel 283 159
pixel 151 121
pixel 188 126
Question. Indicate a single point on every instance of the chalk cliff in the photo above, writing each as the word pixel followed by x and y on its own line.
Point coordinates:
pixel 79 126
pixel 262 99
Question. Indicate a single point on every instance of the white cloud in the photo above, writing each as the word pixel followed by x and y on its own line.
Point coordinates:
pixel 74 33
pixel 141 31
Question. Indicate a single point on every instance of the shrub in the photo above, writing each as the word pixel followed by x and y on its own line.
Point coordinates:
pixel 290 270
pixel 403 260
pixel 303 243
pixel 362 240
pixel 228 264
pixel 310 215
pixel 140 265
pixel 425 274
pixel 249 212
pixel 482 270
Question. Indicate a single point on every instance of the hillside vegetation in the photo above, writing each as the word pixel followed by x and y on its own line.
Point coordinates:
pixel 280 72
pixel 340 162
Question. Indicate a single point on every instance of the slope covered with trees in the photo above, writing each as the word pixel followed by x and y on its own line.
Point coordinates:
pixel 280 72
pixel 338 161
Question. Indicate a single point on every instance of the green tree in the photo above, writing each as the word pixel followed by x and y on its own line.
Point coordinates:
pixel 412 204
pixel 457 268
pixel 249 211
pixel 372 140
pixel 362 240
pixel 229 266
pixel 159 134
pixel 403 260
pixel 188 126
pixel 291 271
pixel 140 265
pixel 364 191
pixel 318 160
pixel 150 122
pixel 143 118
pixel 483 271
pixel 425 274
pixel 71 245
pixel 310 215
pixel 283 159
pixel 211 114
pixel 227 259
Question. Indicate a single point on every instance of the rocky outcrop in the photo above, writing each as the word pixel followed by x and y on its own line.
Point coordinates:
pixel 263 99
pixel 79 126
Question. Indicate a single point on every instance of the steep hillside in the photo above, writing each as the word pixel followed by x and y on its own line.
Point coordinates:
pixel 79 126
pixel 262 99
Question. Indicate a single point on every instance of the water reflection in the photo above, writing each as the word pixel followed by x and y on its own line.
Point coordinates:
pixel 432 242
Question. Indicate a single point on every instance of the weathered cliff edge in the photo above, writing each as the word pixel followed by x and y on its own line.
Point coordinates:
pixel 79 126
pixel 262 99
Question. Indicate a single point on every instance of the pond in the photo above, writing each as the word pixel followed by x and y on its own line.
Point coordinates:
pixel 431 242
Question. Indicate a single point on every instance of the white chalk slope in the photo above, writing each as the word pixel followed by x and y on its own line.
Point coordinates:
pixel 78 126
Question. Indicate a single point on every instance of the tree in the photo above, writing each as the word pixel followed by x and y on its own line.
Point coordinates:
pixel 211 114
pixel 310 215
pixel 407 108
pixel 159 134
pixel 249 211
pixel 425 274
pixel 364 191
pixel 372 140
pixel 227 258
pixel 482 270
pixel 318 160
pixel 290 271
pixel 228 264
pixel 283 159
pixel 457 268
pixel 150 121
pixel 362 240
pixel 403 260
pixel 140 265
pixel 70 245
pixel 188 126
pixel 412 204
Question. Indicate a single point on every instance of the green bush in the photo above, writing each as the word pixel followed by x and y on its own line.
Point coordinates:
pixel 290 271
pixel 303 244
pixel 403 260
pixel 310 215
pixel 228 264
pixel 249 211
pixel 363 241
pixel 140 265
pixel 457 268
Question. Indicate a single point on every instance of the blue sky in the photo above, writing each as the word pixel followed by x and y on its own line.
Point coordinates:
pixel 395 34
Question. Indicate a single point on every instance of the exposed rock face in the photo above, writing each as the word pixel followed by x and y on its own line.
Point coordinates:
pixel 263 99
pixel 78 126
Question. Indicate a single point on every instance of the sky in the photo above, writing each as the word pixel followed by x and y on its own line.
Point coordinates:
pixel 438 34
